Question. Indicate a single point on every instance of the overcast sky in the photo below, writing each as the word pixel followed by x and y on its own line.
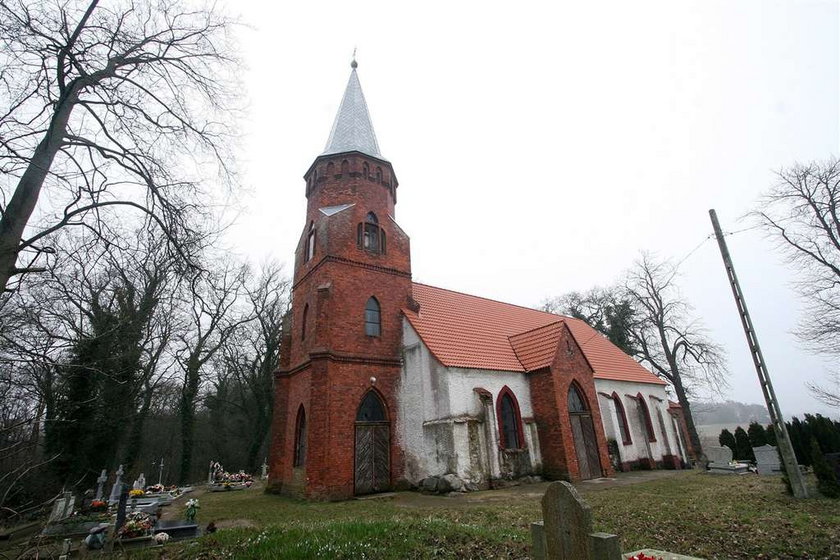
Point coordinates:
pixel 541 147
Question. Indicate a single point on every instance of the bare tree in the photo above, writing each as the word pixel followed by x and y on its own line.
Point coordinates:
pixel 606 310
pixel 122 105
pixel 669 340
pixel 800 213
pixel 212 302
pixel 251 356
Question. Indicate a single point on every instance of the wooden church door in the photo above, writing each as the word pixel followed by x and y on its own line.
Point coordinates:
pixel 373 446
pixel 583 430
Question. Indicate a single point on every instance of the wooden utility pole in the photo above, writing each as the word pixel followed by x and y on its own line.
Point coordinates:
pixel 797 483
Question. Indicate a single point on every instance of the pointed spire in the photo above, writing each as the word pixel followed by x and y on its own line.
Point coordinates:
pixel 352 129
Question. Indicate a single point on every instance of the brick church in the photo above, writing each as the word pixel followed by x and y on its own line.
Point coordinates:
pixel 384 382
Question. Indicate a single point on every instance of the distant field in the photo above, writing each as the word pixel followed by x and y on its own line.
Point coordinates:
pixel 709 432
pixel 690 513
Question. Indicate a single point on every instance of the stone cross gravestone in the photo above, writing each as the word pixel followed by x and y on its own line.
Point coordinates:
pixel 767 460
pixel 117 487
pixel 100 484
pixel 140 483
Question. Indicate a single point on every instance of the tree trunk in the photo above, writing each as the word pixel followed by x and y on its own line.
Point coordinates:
pixel 694 438
pixel 23 201
pixel 135 437
pixel 187 416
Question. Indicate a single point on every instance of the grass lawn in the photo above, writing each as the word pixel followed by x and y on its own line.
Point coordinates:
pixel 688 513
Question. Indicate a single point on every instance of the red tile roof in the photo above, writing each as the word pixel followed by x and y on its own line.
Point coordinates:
pixel 473 332
pixel 535 349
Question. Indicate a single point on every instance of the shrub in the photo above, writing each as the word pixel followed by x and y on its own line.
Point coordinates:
pixel 827 482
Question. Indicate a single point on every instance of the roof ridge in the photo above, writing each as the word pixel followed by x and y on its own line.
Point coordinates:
pixel 493 300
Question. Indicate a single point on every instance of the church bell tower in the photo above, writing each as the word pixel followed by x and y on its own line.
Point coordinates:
pixel 333 433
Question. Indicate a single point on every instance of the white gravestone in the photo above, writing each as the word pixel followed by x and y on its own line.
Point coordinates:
pixel 116 488
pixel 720 461
pixel 100 484
pixel 767 460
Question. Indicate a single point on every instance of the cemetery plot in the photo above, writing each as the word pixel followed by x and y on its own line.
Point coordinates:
pixel 566 532
pixel 720 461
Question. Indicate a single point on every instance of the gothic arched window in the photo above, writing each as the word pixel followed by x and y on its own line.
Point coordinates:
pixel 345 168
pixel 373 320
pixel 576 401
pixel 371 409
pixel 510 423
pixel 622 420
pixel 645 414
pixel 310 243
pixel 300 438
pixel 370 236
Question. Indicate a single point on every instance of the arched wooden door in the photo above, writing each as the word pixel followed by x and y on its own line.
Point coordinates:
pixel 583 430
pixel 373 446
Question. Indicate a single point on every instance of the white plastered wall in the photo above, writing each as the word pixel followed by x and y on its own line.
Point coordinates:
pixel 656 399
pixel 438 407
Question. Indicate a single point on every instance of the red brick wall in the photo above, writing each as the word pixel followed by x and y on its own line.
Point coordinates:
pixel 330 370
pixel 549 397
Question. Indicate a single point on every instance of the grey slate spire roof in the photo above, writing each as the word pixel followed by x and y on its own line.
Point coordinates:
pixel 352 129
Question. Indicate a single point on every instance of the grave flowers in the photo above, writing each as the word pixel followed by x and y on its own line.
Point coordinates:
pixel 643 556
pixel 137 524
pixel 98 505
pixel 136 493
pixel 192 508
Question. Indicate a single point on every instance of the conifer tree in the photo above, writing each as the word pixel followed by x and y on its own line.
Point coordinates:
pixel 827 482
pixel 726 439
pixel 743 450
pixel 758 436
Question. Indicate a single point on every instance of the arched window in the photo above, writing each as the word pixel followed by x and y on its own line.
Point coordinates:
pixel 622 420
pixel 576 401
pixel 303 322
pixel 378 174
pixel 510 422
pixel 300 438
pixel 310 243
pixel 370 236
pixel 371 409
pixel 645 413
pixel 365 170
pixel 345 168
pixel 372 318
pixel 330 169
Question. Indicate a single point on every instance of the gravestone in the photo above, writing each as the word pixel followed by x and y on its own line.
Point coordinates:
pixel 719 454
pixel 62 508
pixel 117 487
pixel 566 530
pixel 122 502
pixel 767 460
pixel 264 474
pixel 140 483
pixel 720 461
pixel 177 529
pixel 100 484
